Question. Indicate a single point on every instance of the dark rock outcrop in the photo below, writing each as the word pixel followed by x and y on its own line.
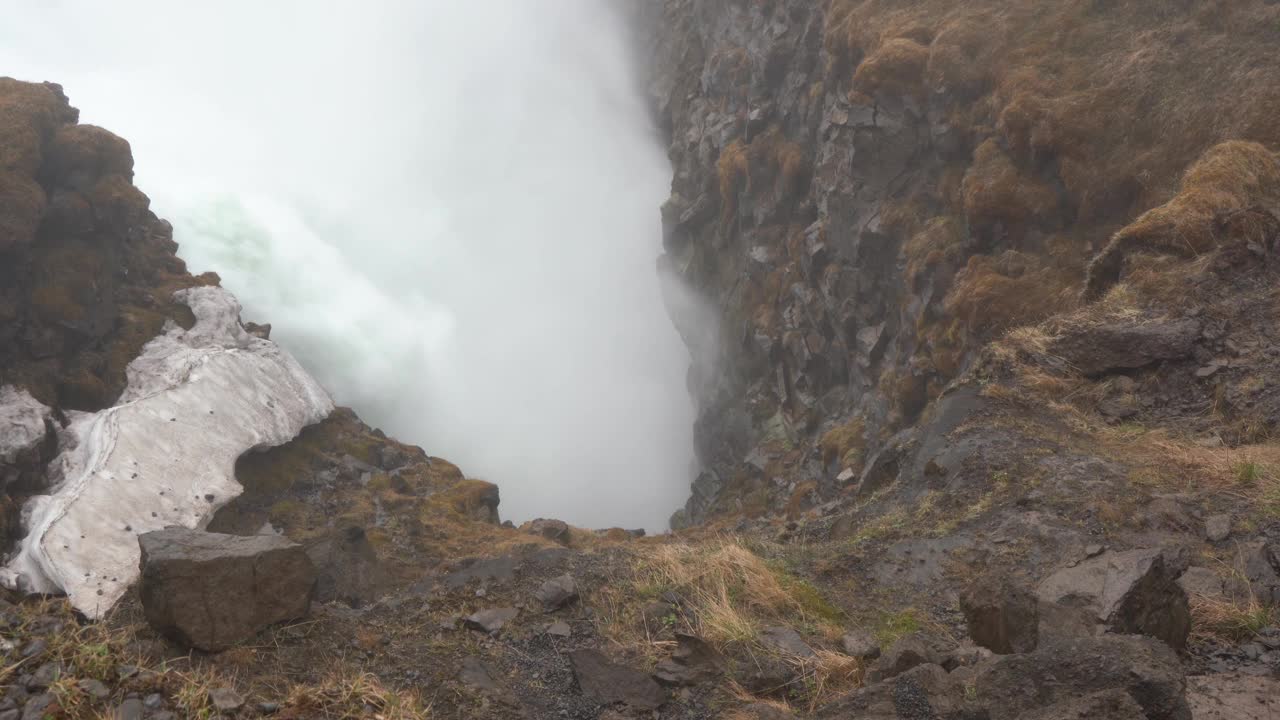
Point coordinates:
pixel 1147 670
pixel 212 591
pixel 348 569
pixel 1002 615
pixel 607 682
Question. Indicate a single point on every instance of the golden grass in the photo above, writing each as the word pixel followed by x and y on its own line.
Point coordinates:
pixel 1231 620
pixel 1224 196
pixel 351 697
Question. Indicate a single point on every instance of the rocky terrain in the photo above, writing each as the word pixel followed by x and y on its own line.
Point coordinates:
pixel 986 426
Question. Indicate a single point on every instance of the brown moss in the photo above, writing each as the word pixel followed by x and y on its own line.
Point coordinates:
pixel 28 114
pixel 54 304
pixel 940 242
pixel 22 203
pixel 995 191
pixel 896 69
pixel 87 151
pixel 993 294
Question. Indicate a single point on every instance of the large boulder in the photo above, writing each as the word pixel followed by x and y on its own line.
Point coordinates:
pixel 212 591
pixel 1002 615
pixel 1016 686
pixel 1135 591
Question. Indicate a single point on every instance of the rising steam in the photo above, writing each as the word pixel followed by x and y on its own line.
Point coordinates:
pixel 448 211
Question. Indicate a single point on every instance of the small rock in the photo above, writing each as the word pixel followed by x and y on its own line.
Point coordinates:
pixel 474 674
pixel 130 709
pixel 1094 550
pixel 226 699
pixel 95 689
pixel 860 645
pixel 559 628
pixel 557 592
pixel 154 701
pixel 268 708
pixel 786 640
pixel 44 676
pixel 491 620
pixel 35 648
pixel 692 662
pixel 1217 527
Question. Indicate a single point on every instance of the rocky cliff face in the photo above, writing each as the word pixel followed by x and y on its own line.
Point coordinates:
pixel 868 192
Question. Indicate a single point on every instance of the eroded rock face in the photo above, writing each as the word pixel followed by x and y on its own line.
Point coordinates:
pixel 211 591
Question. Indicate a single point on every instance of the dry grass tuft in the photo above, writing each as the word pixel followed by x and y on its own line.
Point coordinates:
pixel 1222 618
pixel 1225 195
pixel 844 444
pixel 350 697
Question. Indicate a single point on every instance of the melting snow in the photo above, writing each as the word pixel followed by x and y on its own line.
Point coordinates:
pixel 22 423
pixel 165 455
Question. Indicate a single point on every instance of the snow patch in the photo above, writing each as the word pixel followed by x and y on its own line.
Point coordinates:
pixel 165 455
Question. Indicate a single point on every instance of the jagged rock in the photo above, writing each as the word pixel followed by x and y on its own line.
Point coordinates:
pixel 554 530
pixel 347 567
pixel 693 661
pixel 1014 686
pixel 213 591
pixel 1217 528
pixel 1107 347
pixel 785 640
pixel 557 592
pixel 860 644
pixel 1201 581
pixel 906 653
pixel 1113 704
pixel 1002 615
pixel 500 570
pixel 606 682
pixel 1135 591
pixel 560 628
pixel 95 689
pixel 491 620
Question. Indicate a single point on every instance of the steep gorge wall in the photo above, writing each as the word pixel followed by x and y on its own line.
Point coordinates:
pixel 869 191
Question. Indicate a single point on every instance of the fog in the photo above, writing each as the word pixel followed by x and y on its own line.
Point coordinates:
pixel 447 210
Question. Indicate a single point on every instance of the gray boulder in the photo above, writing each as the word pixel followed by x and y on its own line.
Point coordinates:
pixel 1107 347
pixel 212 591
pixel 1135 592
pixel 557 592
pixel 693 661
pixel 906 653
pixel 1262 568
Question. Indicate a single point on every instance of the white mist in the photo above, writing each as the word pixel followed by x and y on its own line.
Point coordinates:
pixel 447 210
